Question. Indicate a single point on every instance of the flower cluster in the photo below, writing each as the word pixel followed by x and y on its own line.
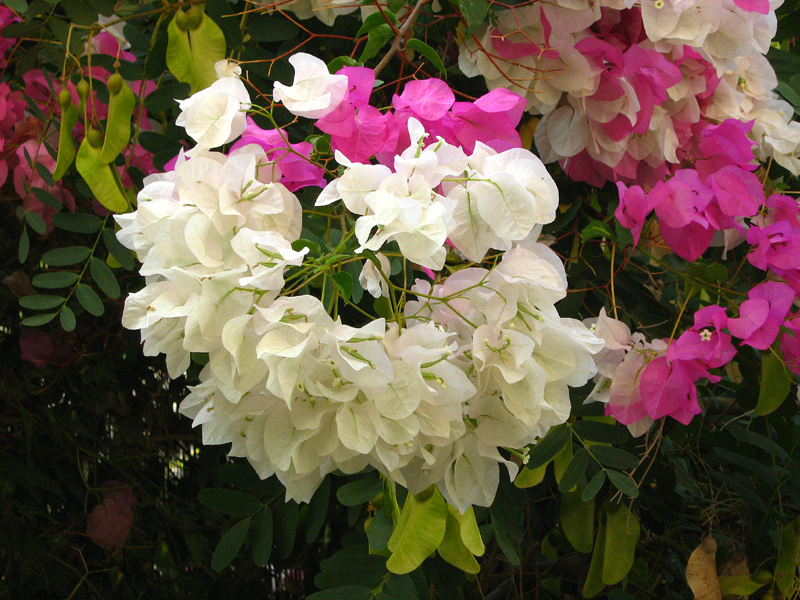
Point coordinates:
pixel 467 369
pixel 625 88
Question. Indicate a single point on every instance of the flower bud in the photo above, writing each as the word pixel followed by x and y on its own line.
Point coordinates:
pixel 115 84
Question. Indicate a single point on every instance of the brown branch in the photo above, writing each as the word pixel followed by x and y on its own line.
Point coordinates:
pixel 401 33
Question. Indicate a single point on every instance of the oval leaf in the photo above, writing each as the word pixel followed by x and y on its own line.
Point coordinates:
pixel 104 278
pixel 62 257
pixel 53 281
pixel 419 531
pixel 89 300
pixel 232 502
pixel 262 537
pixel 229 545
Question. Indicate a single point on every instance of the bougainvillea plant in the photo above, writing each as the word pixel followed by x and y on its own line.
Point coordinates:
pixel 461 299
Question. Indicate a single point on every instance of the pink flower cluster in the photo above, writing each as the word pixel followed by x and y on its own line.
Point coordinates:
pixel 696 202
pixel 625 88
pixel 360 131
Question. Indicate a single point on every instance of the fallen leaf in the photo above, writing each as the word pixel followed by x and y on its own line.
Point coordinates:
pixel 701 571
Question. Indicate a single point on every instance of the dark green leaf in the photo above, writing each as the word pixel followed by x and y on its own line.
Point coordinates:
pixel 47 198
pixel 262 537
pixel 54 280
pixel 242 475
pixel 67 318
pixel 44 174
pixel 547 448
pixel 344 282
pixel 376 19
pixel 229 545
pixel 594 486
pixel 375 41
pixel 117 250
pixel 596 431
pixel 40 302
pixel 165 98
pixel 507 547
pixel 37 320
pixel 623 483
pixel 24 247
pixel 272 29
pixel 775 382
pixel 474 12
pixel 89 300
pixel 77 222
pixel 351 567
pixel 616 458
pixel 104 278
pixel 62 257
pixel 342 61
pixel 347 592
pixel 380 530
pixel 232 502
pixel 36 222
pixel 427 52
pixel 574 471
pixel 358 492
pixel 285 528
pixel 756 439
pixel 318 510
pixel 597 229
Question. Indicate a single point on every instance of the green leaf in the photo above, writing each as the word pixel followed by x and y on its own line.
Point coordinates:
pixel 19 6
pixel 577 520
pixel 786 567
pixel 623 483
pixel 474 12
pixel 318 510
pixel 530 477
pixel 46 197
pixel 616 458
pixel 101 178
pixel 376 19
pixel 743 585
pixel 419 531
pixel 70 255
pixel 36 223
pixel 358 492
pixel 229 545
pixel 67 318
pixel 342 61
pixel 375 40
pixel 352 565
pixel 164 98
pixel 453 550
pixel 574 472
pixel 343 281
pixel 775 382
pixel 192 53
pixel 24 247
pixel 508 549
pixel 104 278
pixel 37 320
pixel 285 528
pixel 272 29
pixel 380 530
pixel 262 537
pixel 54 281
pixel 117 250
pixel 89 300
pixel 40 302
pixel 597 431
pixel 427 52
pixel 622 534
pixel 594 579
pixel 232 502
pixel 594 486
pixel 346 592
pixel 548 447
pixel 756 439
pixel 597 229
pixel 66 142
pixel 77 222
pixel 118 125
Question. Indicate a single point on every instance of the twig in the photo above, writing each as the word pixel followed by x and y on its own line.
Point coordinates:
pixel 401 33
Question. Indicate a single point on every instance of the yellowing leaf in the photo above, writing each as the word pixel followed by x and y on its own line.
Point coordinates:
pixel 419 531
pixel 453 550
pixel 744 585
pixel 577 521
pixel 530 477
pixel 701 571
pixel 192 52
pixel 100 177
pixel 622 533
pixel 786 568
pixel 594 579
pixel 468 527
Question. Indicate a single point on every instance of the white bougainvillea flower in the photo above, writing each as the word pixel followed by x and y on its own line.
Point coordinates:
pixel 314 92
pixel 216 115
pixel 371 279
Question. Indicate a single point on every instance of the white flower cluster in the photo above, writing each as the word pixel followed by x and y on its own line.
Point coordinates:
pixel 560 54
pixel 488 199
pixel 478 363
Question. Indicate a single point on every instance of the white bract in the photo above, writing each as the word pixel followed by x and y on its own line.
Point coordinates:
pixel 473 368
pixel 314 92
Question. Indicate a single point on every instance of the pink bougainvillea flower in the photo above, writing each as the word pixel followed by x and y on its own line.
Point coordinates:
pixel 491 119
pixel 110 523
pixel 705 342
pixel 776 246
pixel 633 210
pixel 790 343
pixel 756 6
pixel 725 144
pixel 668 389
pixel 762 314
pixel 739 193
pixel 425 100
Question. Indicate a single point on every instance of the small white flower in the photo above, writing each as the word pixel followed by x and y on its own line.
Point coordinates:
pixel 216 115
pixel 314 92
